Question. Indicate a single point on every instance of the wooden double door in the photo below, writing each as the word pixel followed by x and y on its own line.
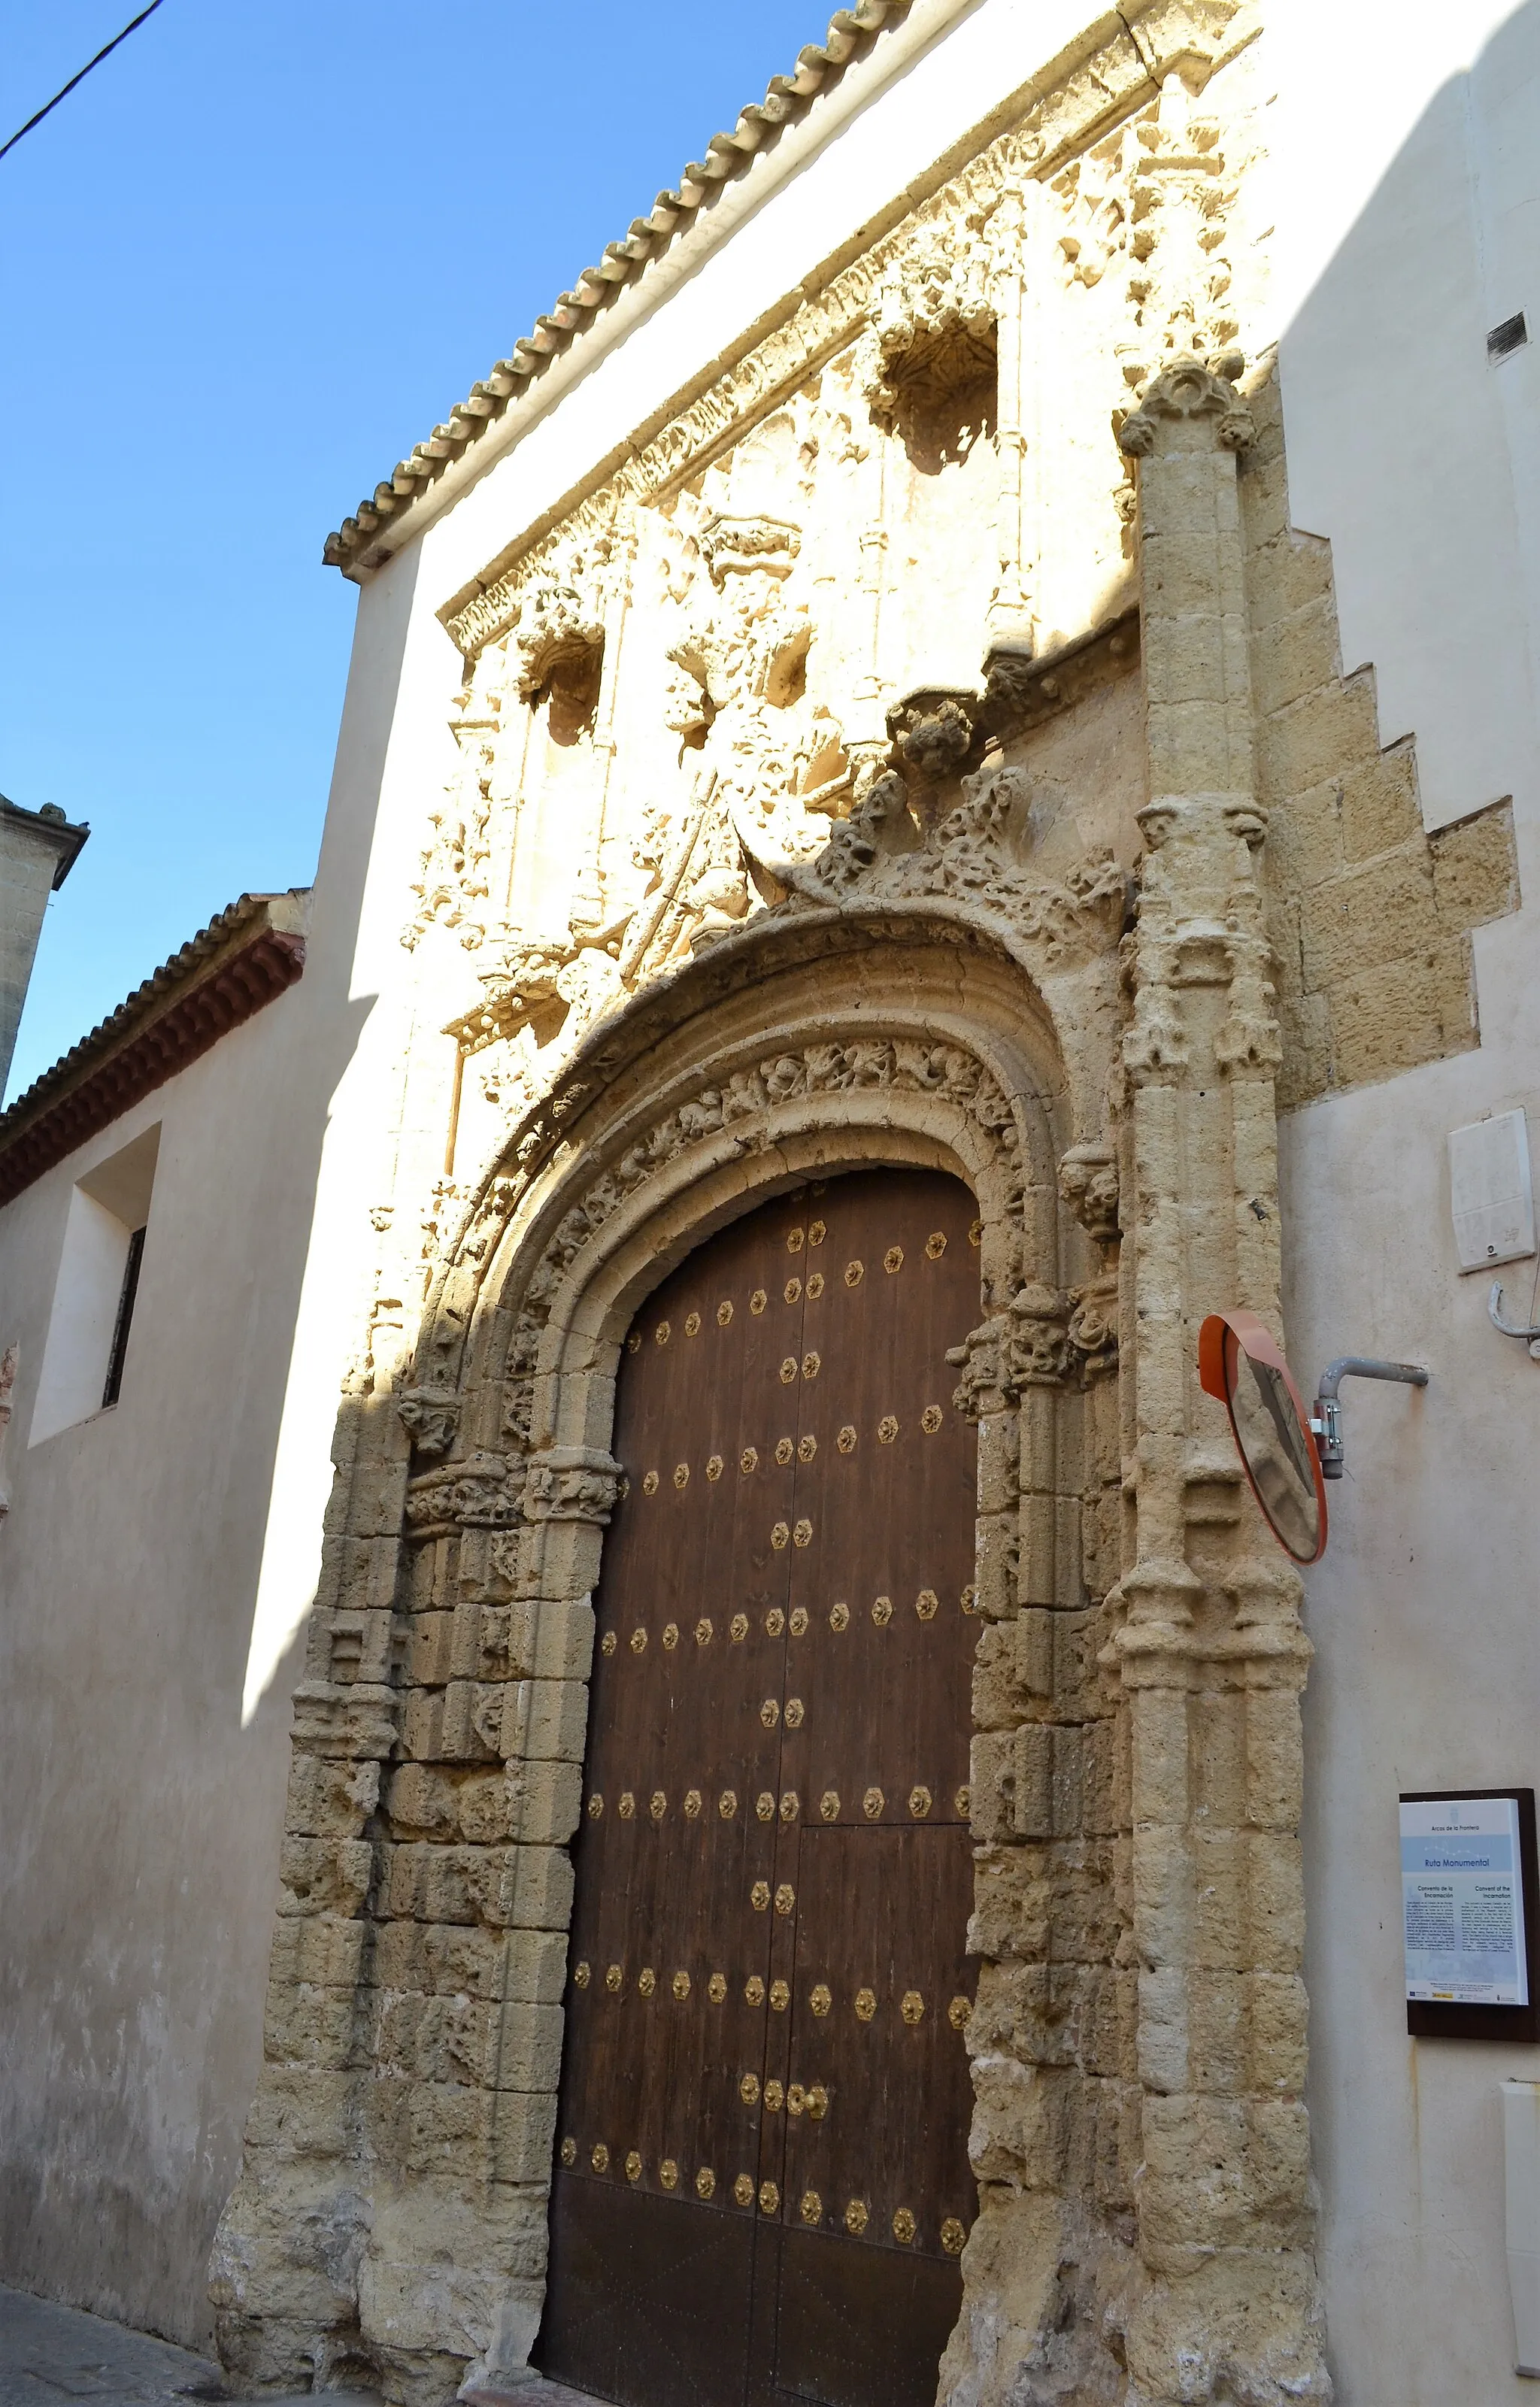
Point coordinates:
pixel 762 2182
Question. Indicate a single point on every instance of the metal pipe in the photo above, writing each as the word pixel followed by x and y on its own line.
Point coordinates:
pixel 1360 1366
pixel 1326 1421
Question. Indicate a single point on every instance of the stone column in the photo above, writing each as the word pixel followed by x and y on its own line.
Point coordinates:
pixel 1018 268
pixel 1210 1655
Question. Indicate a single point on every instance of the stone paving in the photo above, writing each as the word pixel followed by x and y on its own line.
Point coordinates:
pixel 50 2353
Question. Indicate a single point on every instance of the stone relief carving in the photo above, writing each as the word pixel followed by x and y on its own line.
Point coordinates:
pixel 1150 206
pixel 931 332
pixel 559 629
pixel 1087 1181
pixel 980 852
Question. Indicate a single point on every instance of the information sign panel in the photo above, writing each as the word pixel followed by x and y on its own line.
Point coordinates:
pixel 1468 1913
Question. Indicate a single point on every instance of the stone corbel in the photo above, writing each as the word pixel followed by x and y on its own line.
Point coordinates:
pixel 430 1416
pixel 1087 1181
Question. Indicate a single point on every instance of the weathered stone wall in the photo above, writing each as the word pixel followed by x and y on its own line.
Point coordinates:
pixel 1370 917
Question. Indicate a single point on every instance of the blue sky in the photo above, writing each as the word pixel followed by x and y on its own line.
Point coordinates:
pixel 254 257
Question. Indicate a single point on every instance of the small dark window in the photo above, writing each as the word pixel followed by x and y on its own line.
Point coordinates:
pixel 125 1315
pixel 1511 335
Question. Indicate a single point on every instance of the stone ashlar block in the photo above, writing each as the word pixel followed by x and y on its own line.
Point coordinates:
pixel 429 1643
pixel 997 1553
pixel 1476 869
pixel 1103 1808
pixel 1277 1902
pixel 307 2026
pixel 1188 749
pixel 357 1721
pixel 1381 810
pixel 1304 848
pixel 997 1702
pixel 1286 575
pixel 303 2112
pixel 992 1782
pixel 374 1504
pixel 1217 2031
pixel 999 1462
pixel 1316 739
pixel 433 2128
pixel 329 1796
pixel 321 1949
pixel 440 1957
pixel 1048 1781
pixel 1295 656
pixel 1279 2015
pixel 1380 912
pixel 1023 2123
pixel 1225 2173
pixel 1411 1011
pixel 524 2134
pixel 528 1887
pixel 550 1639
pixel 324 1875
pixel 1275 1759
pixel 545 1721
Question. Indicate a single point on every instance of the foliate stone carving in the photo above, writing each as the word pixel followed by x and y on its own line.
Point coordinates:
pixel 1025 1344
pixel 1151 205
pixel 1087 1181
pixel 572 1484
pixel 1189 388
pixel 477 1492
pixel 558 627
pixel 944 1071
pixel 980 853
pixel 451 884
pixel 933 325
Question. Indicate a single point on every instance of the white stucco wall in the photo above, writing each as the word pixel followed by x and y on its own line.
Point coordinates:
pixel 1408 168
pixel 141 1822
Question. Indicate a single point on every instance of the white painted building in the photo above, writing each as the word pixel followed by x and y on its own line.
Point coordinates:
pixel 160 1557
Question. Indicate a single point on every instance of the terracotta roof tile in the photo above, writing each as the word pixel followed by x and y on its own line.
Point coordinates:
pixel 647 239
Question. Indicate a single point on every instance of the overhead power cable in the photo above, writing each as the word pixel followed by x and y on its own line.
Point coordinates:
pixel 69 88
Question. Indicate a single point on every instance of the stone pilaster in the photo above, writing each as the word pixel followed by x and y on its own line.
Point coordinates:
pixel 1210 1655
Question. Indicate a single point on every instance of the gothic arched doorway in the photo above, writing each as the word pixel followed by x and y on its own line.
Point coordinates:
pixel 762 2181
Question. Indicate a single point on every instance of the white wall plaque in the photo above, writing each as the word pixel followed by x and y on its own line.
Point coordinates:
pixel 1462 1902
pixel 1490 1191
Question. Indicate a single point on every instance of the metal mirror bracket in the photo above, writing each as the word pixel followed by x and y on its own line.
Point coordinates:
pixel 1508 1328
pixel 1326 1423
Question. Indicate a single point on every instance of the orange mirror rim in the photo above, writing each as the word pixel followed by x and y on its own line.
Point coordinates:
pixel 1251 1337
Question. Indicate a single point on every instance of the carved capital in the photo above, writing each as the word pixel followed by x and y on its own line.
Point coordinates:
pixel 1184 396
pixel 475 1493
pixel 572 1483
pixel 1026 1345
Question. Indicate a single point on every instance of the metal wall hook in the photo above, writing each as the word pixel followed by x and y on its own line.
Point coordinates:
pixel 1326 1424
pixel 1494 1309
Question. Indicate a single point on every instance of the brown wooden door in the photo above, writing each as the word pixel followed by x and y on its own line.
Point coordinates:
pixel 762 2181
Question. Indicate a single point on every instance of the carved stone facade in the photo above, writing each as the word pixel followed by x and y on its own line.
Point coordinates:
pixel 878 766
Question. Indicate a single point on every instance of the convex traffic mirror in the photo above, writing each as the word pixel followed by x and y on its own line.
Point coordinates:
pixel 1240 1363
